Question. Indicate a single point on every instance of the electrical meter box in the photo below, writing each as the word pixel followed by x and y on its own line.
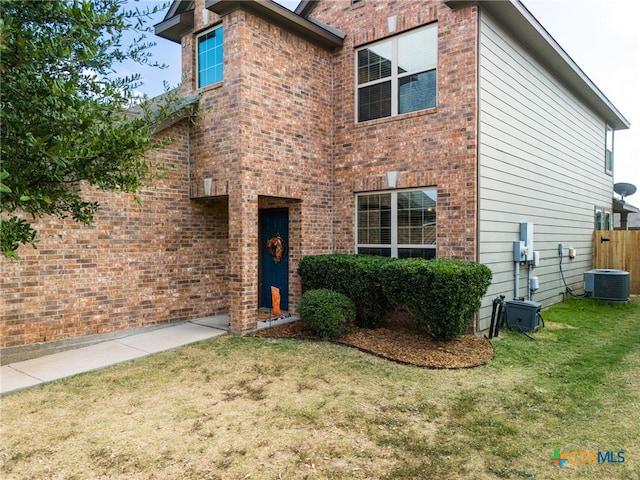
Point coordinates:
pixel 519 252
pixel 523 315
pixel 526 236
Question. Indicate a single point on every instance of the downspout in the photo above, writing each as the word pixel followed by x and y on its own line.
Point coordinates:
pixel 477 139
pixel 189 158
pixel 477 135
pixel 333 155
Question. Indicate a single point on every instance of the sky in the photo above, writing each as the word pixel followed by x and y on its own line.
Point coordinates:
pixel 601 36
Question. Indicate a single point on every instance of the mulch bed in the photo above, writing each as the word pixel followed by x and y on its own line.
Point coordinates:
pixel 398 341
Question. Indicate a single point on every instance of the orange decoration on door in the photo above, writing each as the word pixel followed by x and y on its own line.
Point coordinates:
pixel 275 301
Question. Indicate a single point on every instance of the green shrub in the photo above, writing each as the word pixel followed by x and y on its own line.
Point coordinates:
pixel 356 276
pixel 328 314
pixel 443 295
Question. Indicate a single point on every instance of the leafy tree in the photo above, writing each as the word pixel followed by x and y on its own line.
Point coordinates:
pixel 65 120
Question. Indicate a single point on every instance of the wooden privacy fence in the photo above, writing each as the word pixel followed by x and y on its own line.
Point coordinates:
pixel 619 250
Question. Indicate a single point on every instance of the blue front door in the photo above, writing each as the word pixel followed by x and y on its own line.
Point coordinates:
pixel 274 256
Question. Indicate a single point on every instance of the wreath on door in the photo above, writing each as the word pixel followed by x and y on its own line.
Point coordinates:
pixel 277 247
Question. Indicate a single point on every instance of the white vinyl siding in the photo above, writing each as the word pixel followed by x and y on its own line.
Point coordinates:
pixel 540 161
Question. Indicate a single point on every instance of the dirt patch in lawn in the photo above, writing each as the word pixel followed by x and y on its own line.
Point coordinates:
pixel 397 340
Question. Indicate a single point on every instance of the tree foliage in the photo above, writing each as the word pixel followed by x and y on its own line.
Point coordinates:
pixel 65 123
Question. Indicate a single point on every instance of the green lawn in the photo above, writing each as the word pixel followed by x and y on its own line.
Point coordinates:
pixel 256 408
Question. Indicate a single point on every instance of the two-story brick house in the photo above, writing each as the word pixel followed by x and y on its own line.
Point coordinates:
pixel 413 128
pixel 450 124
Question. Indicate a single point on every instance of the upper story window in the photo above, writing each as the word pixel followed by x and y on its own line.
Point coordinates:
pixel 608 151
pixel 210 57
pixel 397 75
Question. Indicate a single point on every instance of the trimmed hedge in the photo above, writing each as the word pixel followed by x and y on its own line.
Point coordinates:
pixel 328 314
pixel 356 276
pixel 443 295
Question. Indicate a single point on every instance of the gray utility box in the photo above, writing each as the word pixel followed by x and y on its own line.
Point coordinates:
pixel 608 285
pixel 523 315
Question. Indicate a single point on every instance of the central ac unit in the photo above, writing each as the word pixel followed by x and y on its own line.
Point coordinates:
pixel 609 285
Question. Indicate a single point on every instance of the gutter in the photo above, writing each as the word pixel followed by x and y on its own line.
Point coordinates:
pixel 314 31
pixel 525 28
pixel 175 27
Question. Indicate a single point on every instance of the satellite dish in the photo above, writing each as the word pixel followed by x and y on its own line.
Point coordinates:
pixel 624 189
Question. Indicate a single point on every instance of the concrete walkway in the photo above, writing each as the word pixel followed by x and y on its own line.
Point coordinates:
pixel 25 374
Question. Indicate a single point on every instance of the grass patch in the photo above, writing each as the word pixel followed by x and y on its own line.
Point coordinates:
pixel 262 408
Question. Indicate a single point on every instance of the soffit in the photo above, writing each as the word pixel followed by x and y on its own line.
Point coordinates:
pixel 313 31
pixel 524 27
pixel 177 21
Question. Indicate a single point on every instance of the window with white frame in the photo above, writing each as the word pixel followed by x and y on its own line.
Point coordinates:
pixel 397 75
pixel 608 152
pixel 210 57
pixel 399 224
pixel 602 220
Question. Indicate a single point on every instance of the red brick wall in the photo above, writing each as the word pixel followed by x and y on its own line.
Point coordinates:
pixel 215 135
pixel 138 265
pixel 279 131
pixel 264 138
pixel 433 148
